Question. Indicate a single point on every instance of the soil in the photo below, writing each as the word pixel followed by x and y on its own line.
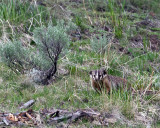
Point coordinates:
pixel 154 42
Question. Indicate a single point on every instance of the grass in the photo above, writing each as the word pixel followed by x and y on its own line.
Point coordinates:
pixel 19 17
pixel 73 91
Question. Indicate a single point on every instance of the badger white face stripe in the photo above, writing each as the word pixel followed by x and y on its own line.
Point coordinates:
pixel 97 74
pixel 100 77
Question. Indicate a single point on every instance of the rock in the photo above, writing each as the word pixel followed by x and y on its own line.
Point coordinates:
pixel 62 71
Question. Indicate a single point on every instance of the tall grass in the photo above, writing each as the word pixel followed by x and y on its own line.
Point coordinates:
pixel 16 11
pixel 18 16
pixel 117 17
pixel 146 5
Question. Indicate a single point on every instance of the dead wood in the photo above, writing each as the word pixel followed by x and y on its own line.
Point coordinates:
pixel 71 117
pixel 3 114
pixel 81 114
pixel 55 114
pixel 27 104
pixel 59 119
pixel 6 121
pixel 1 123
pixel 58 116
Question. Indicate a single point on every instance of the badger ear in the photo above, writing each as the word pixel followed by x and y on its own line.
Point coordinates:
pixel 90 72
pixel 104 72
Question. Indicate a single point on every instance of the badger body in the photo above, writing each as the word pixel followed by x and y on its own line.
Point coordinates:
pixel 101 81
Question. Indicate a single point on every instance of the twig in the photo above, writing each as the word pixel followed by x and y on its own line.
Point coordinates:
pixel 87 13
pixel 27 104
pixel 150 83
pixel 1 123
pixel 5 121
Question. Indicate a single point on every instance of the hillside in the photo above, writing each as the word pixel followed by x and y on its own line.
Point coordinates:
pixel 121 36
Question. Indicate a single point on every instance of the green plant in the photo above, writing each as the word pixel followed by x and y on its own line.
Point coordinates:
pixel 145 43
pixel 99 5
pixel 14 55
pixel 19 16
pixel 99 44
pixel 16 11
pixel 51 41
pixel 146 4
pixel 116 18
pixel 79 22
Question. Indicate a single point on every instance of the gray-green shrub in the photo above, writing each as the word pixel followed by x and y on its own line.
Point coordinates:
pixel 99 44
pixel 14 55
pixel 50 42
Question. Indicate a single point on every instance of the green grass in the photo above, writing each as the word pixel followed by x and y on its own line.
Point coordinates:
pixel 68 93
pixel 73 91
pixel 18 17
pixel 146 5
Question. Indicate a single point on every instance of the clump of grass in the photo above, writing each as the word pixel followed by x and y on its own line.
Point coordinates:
pixel 146 5
pixel 18 17
pixel 16 12
pixel 101 5
pixel 99 44
pixel 117 19
pixel 15 56
pixel 80 23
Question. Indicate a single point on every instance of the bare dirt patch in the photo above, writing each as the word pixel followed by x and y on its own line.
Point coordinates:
pixel 154 42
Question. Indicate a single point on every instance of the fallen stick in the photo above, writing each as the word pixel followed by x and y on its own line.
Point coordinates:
pixel 60 119
pixel 5 121
pixel 80 114
pixel 4 114
pixel 71 117
pixel 27 104
pixel 1 123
